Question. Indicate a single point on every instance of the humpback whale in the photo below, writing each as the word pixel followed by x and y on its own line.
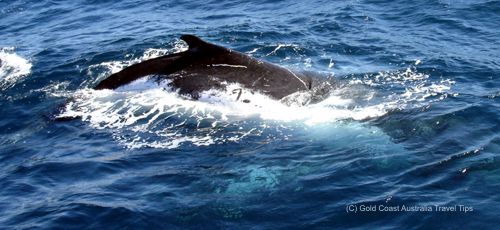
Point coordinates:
pixel 205 66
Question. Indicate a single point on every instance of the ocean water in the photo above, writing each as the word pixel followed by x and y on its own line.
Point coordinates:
pixel 409 138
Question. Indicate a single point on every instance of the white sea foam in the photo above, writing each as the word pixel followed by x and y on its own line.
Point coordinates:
pixel 12 67
pixel 280 46
pixel 147 113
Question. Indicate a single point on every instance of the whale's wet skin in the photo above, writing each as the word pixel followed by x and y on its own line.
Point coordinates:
pixel 206 66
pixel 411 116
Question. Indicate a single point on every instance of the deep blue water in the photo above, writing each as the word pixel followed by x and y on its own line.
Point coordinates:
pixel 414 122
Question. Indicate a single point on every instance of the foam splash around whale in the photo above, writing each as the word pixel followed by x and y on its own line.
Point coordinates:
pixel 148 113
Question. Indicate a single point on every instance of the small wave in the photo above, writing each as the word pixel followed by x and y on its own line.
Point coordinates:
pixel 12 67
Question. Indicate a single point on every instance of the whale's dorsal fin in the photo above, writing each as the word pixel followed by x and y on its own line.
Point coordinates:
pixel 193 41
pixel 197 44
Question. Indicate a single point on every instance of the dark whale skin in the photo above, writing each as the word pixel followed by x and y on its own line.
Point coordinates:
pixel 205 66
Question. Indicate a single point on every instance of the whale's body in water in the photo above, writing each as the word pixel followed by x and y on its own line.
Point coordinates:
pixel 207 66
